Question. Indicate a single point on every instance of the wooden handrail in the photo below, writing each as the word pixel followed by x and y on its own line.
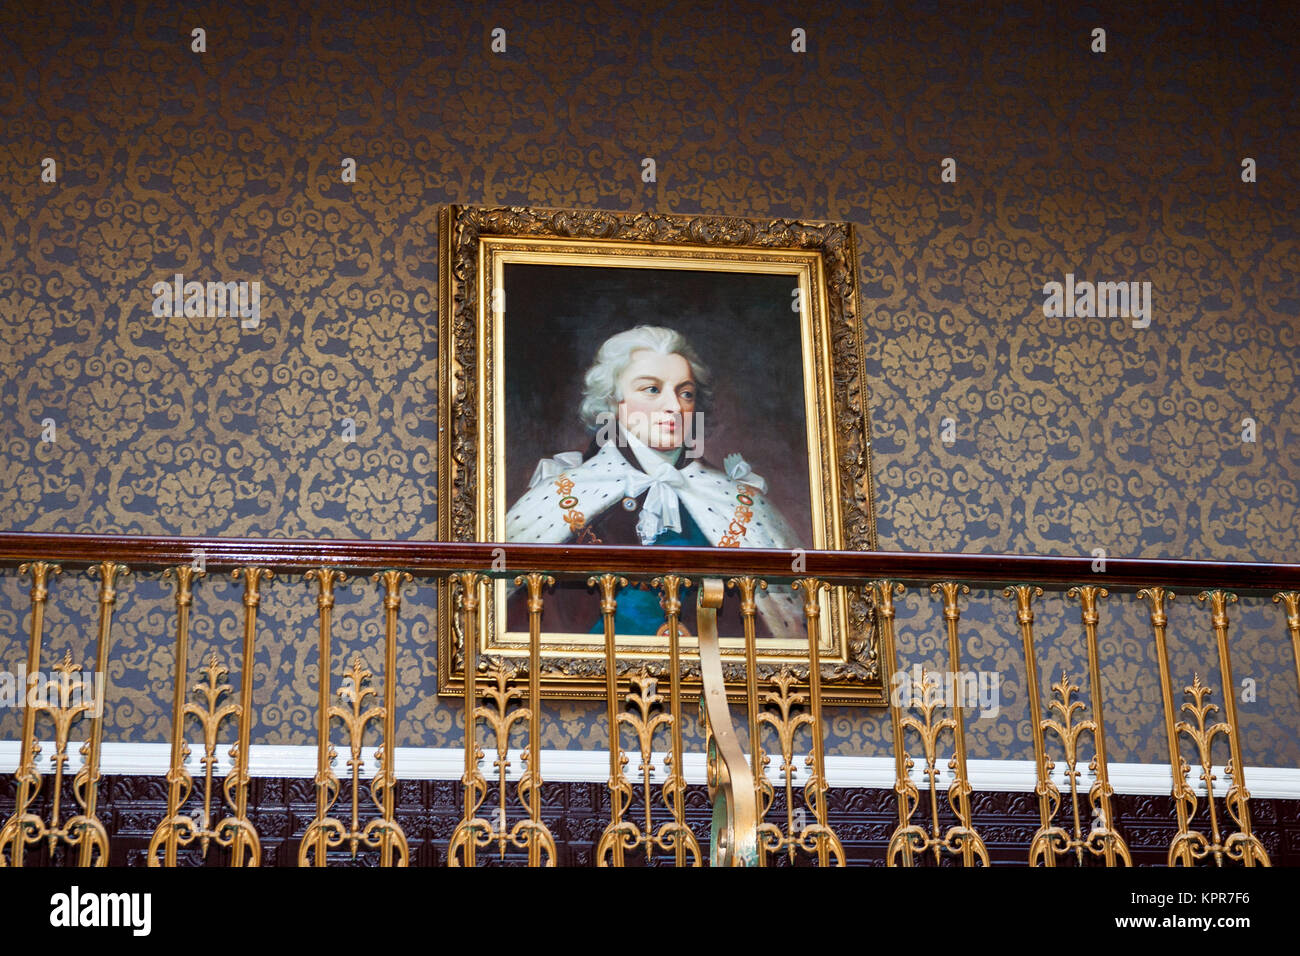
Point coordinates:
pixel 438 557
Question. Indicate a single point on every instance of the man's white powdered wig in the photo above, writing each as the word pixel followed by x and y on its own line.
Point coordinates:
pixel 600 395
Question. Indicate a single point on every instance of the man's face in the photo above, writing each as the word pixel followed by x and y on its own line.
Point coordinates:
pixel 658 390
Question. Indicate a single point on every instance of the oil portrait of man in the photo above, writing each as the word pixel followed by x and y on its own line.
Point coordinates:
pixel 625 382
pixel 640 480
pixel 650 472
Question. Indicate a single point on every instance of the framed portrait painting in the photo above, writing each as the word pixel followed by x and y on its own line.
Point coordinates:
pixel 660 381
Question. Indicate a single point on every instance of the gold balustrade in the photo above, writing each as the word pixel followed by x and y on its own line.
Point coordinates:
pixel 782 721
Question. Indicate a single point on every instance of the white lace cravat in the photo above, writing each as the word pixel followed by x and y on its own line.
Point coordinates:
pixel 661 511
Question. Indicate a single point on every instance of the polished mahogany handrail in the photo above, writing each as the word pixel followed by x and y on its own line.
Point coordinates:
pixel 434 557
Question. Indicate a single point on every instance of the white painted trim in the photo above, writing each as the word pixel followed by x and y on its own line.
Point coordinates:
pixel 592 766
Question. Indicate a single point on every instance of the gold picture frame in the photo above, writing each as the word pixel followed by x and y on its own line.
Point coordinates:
pixel 525 298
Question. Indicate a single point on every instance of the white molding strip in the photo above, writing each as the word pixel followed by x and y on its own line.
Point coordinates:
pixel 592 766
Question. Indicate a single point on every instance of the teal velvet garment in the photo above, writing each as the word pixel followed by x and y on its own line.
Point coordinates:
pixel 638 611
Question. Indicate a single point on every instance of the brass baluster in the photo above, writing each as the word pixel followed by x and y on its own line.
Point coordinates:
pixel 623 835
pixel 1050 839
pixel 65 700
pixel 472 831
pixel 210 717
pixel 179 781
pixel 825 840
pixel 235 831
pixel 1242 846
pixel 1190 845
pixel 476 831
pixel 535 834
pixel 320 836
pixel 1068 731
pixel 328 832
pixel 786 724
pixel 87 829
pixel 1291 601
pixel 58 694
pixel 929 731
pixel 242 834
pixel 642 695
pixel 1184 796
pixel 501 722
pixel 962 836
pixel 386 830
pixel 383 832
pixel 1202 737
pixel 907 835
pixel 1105 837
pixel 676 834
pixel 24 827
pixel 613 840
pixel 813 838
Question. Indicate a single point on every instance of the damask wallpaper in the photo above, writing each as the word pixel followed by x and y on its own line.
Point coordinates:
pixel 127 156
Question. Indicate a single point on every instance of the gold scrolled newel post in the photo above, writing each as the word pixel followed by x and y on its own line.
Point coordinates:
pixel 735 806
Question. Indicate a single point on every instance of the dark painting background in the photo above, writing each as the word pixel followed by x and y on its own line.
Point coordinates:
pixel 740 324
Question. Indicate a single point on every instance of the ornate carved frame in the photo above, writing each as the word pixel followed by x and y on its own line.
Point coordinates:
pixel 850 663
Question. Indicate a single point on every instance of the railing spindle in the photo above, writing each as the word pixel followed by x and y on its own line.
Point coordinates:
pixel 391 835
pixel 620 791
pixel 1050 838
pixel 533 830
pixel 87 829
pixel 472 832
pixel 966 839
pixel 676 834
pixel 906 834
pixel 318 835
pixel 1105 836
pixel 179 781
pixel 825 840
pixel 1184 796
pixel 238 780
pixel 1242 846
pixel 23 827
pixel 1291 601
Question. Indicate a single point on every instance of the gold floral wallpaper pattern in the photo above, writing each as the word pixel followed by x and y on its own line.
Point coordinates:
pixel 1070 434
